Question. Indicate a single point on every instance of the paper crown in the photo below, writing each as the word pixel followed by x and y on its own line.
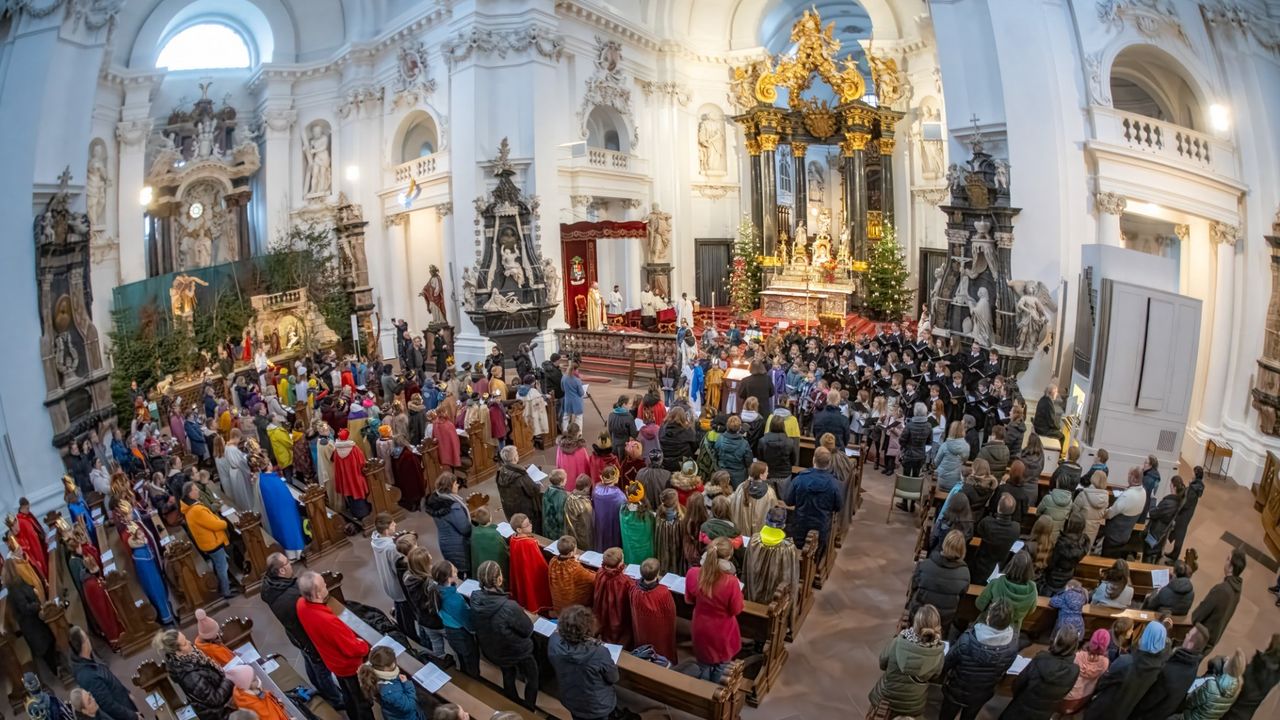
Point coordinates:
pixel 635 492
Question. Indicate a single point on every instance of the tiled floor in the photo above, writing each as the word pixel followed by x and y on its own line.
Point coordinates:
pixel 834 661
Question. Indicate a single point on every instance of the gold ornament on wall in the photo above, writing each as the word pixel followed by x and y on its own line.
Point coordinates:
pixel 819 119
pixel 884 71
pixel 816 48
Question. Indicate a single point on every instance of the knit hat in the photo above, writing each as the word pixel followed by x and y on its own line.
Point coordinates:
pixel 384 431
pixel 206 627
pixel 343 434
pixel 241 675
pixel 1099 641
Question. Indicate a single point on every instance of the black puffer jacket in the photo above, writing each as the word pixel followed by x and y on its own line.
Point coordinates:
pixel 1168 691
pixel 1066 555
pixel 916 434
pixel 973 668
pixel 1123 685
pixel 1262 674
pixel 830 420
pixel 1177 597
pixel 503 630
pixel 423 595
pixel 939 582
pixel 779 452
pixel 207 689
pixel 281 596
pixel 998 533
pixel 678 444
pixel 1040 686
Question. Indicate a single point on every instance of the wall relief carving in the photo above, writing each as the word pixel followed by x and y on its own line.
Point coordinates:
pixel 607 88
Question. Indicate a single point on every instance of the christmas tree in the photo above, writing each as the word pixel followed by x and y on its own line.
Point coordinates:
pixel 886 278
pixel 744 274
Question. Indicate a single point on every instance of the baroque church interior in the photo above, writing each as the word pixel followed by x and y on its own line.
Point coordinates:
pixel 249 236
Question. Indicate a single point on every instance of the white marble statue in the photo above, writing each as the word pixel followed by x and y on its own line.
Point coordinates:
pixel 799 247
pixel 95 185
pixel 1002 174
pixel 711 156
pixel 511 266
pixel 980 316
pixel 317 160
pixel 468 289
pixel 205 131
pixel 659 240
pixel 1035 311
pixel 551 276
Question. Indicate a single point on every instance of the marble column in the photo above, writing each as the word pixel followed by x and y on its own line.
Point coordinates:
pixel 798 150
pixel 1109 207
pixel 853 150
pixel 886 178
pixel 1223 237
pixel 132 135
pixel 757 199
pixel 768 194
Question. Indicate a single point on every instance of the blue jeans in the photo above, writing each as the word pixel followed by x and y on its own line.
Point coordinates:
pixel 322 680
pixel 219 560
pixel 711 673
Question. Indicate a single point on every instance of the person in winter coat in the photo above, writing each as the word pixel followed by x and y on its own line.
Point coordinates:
pixel 1057 504
pixel 995 452
pixel 977 662
pixel 752 421
pixel 209 533
pixel 948 461
pixel 91 674
pixel 713 591
pixel 1032 457
pixel 955 515
pixel 998 532
pixel 815 495
pixel 1179 671
pixel 751 501
pixel 1070 602
pixel 1070 548
pixel 1091 503
pixel 978 487
pixel 1219 605
pixel 280 593
pixel 910 661
pixel 453 522
pixel 1016 429
pixel 1218 693
pixel 504 633
pixel 1150 483
pixel 585 672
pixel 553 500
pixel 941 579
pixel 571 402
pixel 201 680
pixel 1042 685
pixel 1129 677
pixel 916 434
pixel 1182 522
pixel 1068 472
pixel 757 385
pixel 1092 662
pixel 518 492
pixel 778 450
pixel 382 682
pixel 621 425
pixel 830 420
pixel 1176 597
pixel 1016 587
pixel 677 438
pixel 339 647
pixel 1262 674
pixel 1022 490
pixel 1160 520
pixel 733 452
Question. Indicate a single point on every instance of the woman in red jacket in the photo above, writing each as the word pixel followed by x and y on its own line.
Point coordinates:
pixel 716 597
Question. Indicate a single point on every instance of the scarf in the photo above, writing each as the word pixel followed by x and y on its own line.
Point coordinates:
pixel 387 674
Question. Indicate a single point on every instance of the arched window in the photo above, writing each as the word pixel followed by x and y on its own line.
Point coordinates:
pixel 606 129
pixel 1146 80
pixel 784 174
pixel 205 46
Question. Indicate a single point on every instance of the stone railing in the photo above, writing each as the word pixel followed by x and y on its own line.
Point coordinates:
pixel 1164 141
pixel 591 158
pixel 613 345
pixel 421 168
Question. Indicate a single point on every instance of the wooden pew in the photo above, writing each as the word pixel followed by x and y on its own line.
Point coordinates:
pixel 482 466
pixel 804 593
pixel 384 496
pixel 192 588
pixel 137 617
pixel 12 670
pixel 774 650
pixel 521 434
pixel 452 692
pixel 327 533
pixel 1089 572
pixel 1040 621
pixel 161 694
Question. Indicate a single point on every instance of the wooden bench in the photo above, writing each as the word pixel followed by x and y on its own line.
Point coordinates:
pixel 1089 572
pixel 1039 622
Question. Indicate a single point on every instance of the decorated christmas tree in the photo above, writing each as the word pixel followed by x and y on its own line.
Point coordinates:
pixel 886 278
pixel 744 273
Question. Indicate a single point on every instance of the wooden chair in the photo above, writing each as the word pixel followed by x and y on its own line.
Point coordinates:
pixel 905 488
pixel 580 304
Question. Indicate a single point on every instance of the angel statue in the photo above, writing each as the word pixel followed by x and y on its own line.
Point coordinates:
pixel 1034 310
pixel 980 316
pixel 551 276
pixel 468 289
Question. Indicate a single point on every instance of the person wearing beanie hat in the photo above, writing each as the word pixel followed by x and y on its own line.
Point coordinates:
pixel 249 695
pixel 636 522
pixel 771 559
pixel 1092 660
pixel 606 503
pixel 209 639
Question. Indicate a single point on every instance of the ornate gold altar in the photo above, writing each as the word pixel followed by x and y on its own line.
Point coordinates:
pixel 863 130
pixel 805 280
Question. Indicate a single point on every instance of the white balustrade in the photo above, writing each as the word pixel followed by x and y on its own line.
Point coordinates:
pixel 1165 141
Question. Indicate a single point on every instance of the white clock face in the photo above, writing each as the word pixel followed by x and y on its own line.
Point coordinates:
pixel 196 210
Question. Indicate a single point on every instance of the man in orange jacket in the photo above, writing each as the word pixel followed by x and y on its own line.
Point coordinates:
pixel 340 648
pixel 208 532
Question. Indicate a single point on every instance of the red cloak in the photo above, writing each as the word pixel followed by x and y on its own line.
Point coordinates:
pixel 497 421
pixel 612 605
pixel 30 535
pixel 446 435
pixel 104 613
pixel 653 619
pixel 348 470
pixel 599 462
pixel 529 585
pixel 407 471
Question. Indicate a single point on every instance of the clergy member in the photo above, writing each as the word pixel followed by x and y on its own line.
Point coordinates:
pixel 684 310
pixel 528 578
pixel 595 308
pixel 615 301
pixel 612 601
